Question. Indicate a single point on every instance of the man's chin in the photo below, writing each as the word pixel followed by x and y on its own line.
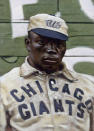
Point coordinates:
pixel 49 68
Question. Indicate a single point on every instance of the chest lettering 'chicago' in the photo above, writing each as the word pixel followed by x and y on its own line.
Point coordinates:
pixel 25 113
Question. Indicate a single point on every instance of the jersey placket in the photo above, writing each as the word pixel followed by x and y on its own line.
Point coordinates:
pixel 52 90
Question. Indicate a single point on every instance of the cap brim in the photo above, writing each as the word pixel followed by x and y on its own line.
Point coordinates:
pixel 50 33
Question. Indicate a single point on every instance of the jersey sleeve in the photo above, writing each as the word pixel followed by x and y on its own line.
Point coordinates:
pixel 2 115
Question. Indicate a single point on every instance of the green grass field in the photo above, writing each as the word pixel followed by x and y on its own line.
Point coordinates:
pixel 81 32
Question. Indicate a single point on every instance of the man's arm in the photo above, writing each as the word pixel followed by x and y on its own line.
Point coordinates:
pixel 2 117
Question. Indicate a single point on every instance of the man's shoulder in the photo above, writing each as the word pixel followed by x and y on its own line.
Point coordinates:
pixel 83 80
pixel 12 74
pixel 81 77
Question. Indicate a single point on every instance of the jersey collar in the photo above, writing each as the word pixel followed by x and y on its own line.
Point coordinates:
pixel 26 71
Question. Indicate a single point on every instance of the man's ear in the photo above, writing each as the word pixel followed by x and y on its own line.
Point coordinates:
pixel 27 43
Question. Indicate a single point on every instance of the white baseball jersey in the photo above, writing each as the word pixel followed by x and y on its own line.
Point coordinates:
pixel 36 101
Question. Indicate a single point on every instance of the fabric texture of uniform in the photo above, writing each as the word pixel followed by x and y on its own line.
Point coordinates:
pixel 61 101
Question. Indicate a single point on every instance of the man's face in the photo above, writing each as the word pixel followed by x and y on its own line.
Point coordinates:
pixel 45 53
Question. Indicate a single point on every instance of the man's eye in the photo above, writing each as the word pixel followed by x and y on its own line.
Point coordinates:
pixel 41 42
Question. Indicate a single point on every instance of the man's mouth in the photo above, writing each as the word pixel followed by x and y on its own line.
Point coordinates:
pixel 50 61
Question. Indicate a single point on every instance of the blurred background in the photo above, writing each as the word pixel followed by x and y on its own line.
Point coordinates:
pixel 78 14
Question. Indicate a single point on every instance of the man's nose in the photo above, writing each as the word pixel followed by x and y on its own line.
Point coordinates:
pixel 51 48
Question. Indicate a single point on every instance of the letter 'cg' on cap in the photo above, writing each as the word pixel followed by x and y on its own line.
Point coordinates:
pixel 49 26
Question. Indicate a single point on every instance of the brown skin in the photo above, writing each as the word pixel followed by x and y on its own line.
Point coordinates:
pixel 45 54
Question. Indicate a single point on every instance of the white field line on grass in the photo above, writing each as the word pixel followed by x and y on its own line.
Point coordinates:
pixel 79 51
pixel 17 15
pixel 87 7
